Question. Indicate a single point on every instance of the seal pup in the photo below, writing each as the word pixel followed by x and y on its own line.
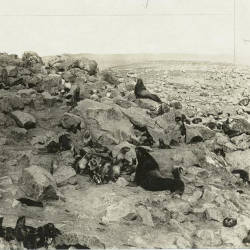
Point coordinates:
pixel 142 92
pixel 149 177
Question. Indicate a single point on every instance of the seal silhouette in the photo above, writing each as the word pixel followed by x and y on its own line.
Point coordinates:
pixel 149 177
pixel 142 92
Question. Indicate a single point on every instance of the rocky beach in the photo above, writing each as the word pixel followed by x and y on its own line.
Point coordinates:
pixel 68 133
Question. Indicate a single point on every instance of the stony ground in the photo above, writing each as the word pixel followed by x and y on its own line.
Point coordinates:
pixel 115 215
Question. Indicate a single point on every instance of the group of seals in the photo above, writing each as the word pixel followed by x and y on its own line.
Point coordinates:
pixel 31 237
pixel 149 177
pixel 148 173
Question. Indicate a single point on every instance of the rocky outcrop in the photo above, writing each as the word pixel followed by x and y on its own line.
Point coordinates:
pixel 106 123
pixel 38 184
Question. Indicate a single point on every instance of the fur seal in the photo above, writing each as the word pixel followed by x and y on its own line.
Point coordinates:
pixel 142 92
pixel 149 177
pixel 243 175
pixel 7 233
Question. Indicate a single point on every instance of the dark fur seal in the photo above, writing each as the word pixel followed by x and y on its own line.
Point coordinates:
pixel 7 233
pixel 149 177
pixel 142 92
pixel 243 175
pixel 34 238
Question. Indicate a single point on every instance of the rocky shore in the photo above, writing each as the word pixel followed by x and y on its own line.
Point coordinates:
pixel 68 133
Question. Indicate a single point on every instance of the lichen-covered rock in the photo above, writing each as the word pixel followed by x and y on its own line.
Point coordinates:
pixel 71 121
pixel 24 120
pixel 37 183
pixel 106 123
pixel 65 175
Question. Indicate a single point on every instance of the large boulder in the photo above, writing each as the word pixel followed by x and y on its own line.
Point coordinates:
pixel 239 159
pixel 138 117
pixel 37 183
pixel 66 62
pixel 24 120
pixel 106 123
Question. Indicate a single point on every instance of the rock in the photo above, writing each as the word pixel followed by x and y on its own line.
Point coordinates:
pixel 49 100
pixel 214 214
pixel 147 104
pixel 121 182
pixel 106 123
pixel 177 205
pixel 24 93
pixel 242 141
pixel 117 211
pixel 12 70
pixel 239 126
pixel 176 105
pixel 48 142
pixel 122 102
pixel 138 117
pixel 5 181
pixel 145 215
pixel 107 76
pixel 71 122
pixel 167 159
pixel 11 102
pixel 18 133
pixel 6 121
pixel 207 238
pixel 65 175
pixel 193 135
pixel 51 83
pixel 24 120
pixel 239 159
pixel 230 236
pixel 38 184
pixel 181 242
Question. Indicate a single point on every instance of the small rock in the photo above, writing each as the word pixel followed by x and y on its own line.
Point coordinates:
pixel 48 99
pixel 183 243
pixel 145 215
pixel 38 184
pixel 65 175
pixel 214 214
pixel 24 120
pixel 71 122
pixel 121 182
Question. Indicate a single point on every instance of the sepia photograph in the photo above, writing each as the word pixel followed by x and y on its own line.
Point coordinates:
pixel 124 124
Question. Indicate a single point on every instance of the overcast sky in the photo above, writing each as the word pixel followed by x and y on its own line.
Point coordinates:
pixel 124 26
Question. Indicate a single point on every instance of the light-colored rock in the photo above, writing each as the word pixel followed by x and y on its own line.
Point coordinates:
pixel 106 123
pixel 239 159
pixel 145 215
pixel 116 212
pixel 24 120
pixel 71 121
pixel 214 214
pixel 65 175
pixel 38 184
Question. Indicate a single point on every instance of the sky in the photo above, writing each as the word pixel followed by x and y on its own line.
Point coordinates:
pixel 52 27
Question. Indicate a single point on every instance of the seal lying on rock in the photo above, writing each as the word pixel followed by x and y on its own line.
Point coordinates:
pixel 149 177
pixel 142 92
